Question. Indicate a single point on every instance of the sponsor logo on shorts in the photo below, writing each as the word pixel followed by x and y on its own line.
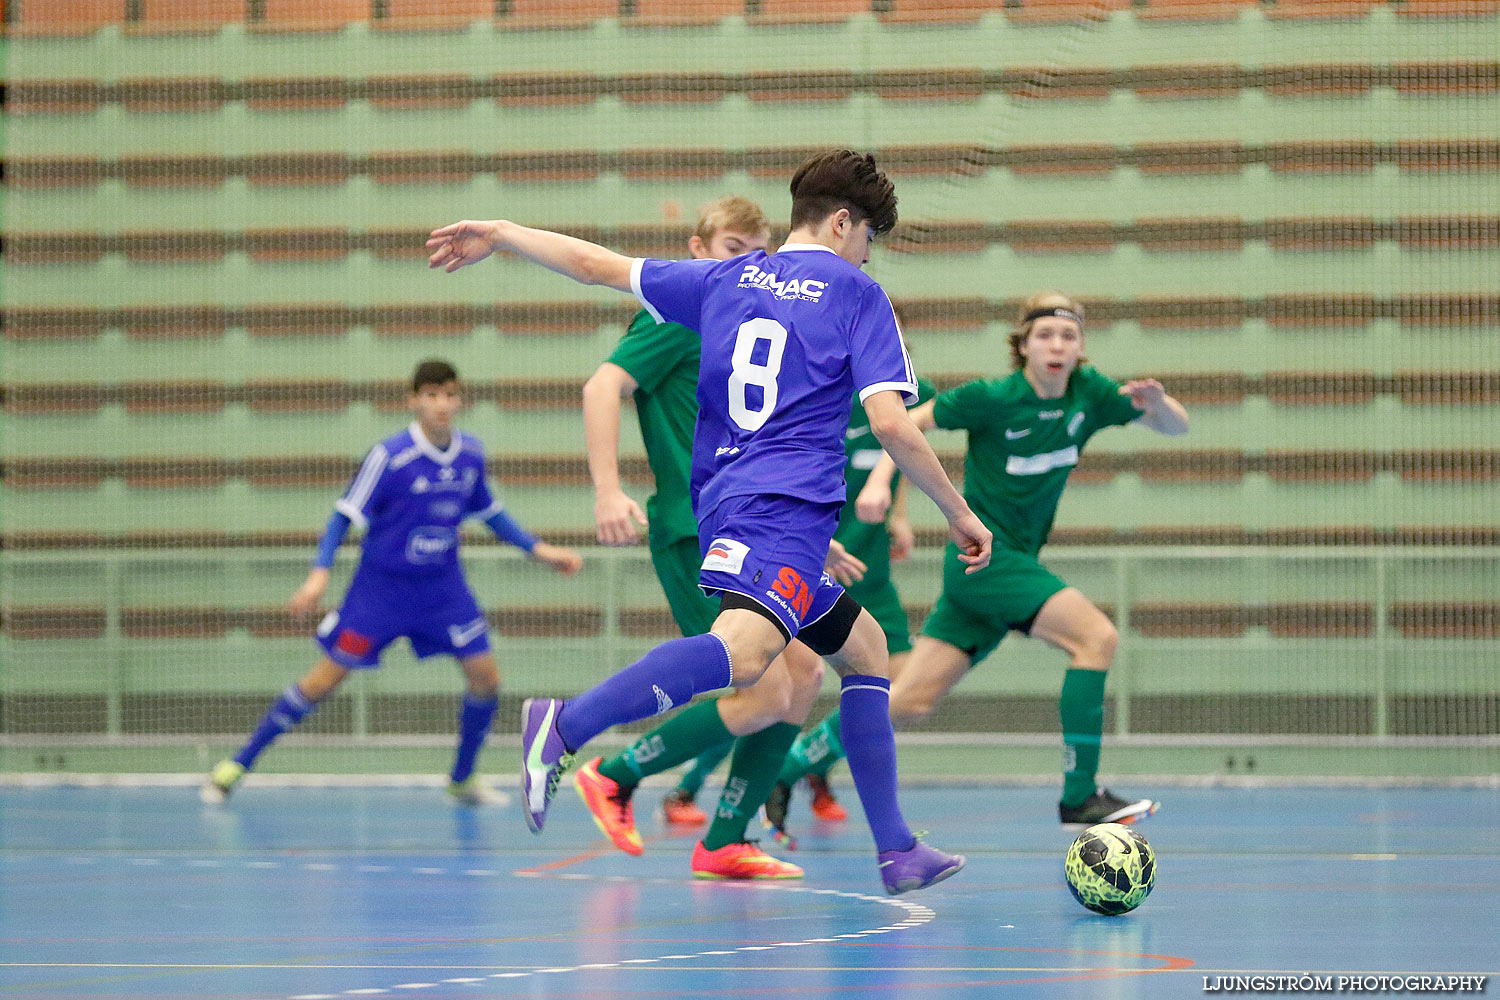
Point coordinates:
pixel 353 643
pixel 790 585
pixel 725 555
pixel 329 622
pixel 462 635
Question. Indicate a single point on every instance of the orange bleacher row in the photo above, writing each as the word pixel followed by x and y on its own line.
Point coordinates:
pixel 1153 536
pixel 1324 309
pixel 198 94
pixel 948 236
pixel 1294 388
pixel 532 469
pixel 572 166
pixel 1155 619
pixel 81 17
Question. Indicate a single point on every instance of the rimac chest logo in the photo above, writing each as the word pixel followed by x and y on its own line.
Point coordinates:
pixel 806 289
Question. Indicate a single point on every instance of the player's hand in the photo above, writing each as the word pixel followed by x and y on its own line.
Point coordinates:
pixel 973 540
pixel 305 600
pixel 903 538
pixel 462 243
pixel 872 504
pixel 842 566
pixel 616 517
pixel 1146 393
pixel 564 560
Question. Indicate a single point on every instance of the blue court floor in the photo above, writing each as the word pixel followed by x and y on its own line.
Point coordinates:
pixel 126 893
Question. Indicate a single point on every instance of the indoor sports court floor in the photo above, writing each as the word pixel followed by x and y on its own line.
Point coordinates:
pixel 127 893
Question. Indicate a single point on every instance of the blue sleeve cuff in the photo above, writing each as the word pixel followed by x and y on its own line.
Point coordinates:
pixel 507 530
pixel 333 536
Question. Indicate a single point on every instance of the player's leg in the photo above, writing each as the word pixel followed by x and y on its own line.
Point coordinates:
pixel 679 806
pixel 865 727
pixel 476 713
pixel 746 636
pixel 736 653
pixel 1071 622
pixel 296 702
pixel 724 851
pixel 606 786
pixel 676 564
pixel 817 750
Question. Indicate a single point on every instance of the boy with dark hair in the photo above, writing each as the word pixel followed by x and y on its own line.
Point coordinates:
pixel 410 495
pixel 657 364
pixel 787 340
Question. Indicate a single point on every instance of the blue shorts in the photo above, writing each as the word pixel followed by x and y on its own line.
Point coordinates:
pixel 437 614
pixel 771 549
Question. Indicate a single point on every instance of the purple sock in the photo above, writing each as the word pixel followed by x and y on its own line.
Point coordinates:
pixel 865 728
pixel 474 720
pixel 290 708
pixel 664 678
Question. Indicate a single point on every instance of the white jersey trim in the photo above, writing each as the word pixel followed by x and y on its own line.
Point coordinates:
pixel 908 390
pixel 490 511
pixel 806 246
pixel 352 503
pixel 635 286
pixel 431 450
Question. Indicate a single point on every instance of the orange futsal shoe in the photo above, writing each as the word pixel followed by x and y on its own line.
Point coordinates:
pixel 680 809
pixel 824 805
pixel 741 861
pixel 609 806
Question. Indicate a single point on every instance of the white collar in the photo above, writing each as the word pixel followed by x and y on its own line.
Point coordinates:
pixel 431 450
pixel 806 246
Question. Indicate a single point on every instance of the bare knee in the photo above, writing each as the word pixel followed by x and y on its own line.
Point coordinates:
pixel 1096 648
pixel 481 676
pixel 908 706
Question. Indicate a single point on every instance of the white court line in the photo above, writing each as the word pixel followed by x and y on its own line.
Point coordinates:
pixel 915 915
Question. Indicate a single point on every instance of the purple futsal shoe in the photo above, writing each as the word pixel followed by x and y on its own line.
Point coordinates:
pixel 917 867
pixel 543 758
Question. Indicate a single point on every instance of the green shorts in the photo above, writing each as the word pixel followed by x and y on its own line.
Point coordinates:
pixel 882 601
pixel 871 544
pixel 677 564
pixel 975 610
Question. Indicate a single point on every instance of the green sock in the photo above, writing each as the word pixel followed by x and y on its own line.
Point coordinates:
pixel 1081 708
pixel 681 738
pixel 693 778
pixel 752 772
pixel 814 752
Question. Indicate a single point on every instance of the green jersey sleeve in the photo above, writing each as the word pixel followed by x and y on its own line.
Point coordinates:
pixel 966 406
pixel 1109 407
pixel 650 350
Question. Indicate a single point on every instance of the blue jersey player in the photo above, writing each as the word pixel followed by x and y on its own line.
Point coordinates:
pixel 787 340
pixel 410 495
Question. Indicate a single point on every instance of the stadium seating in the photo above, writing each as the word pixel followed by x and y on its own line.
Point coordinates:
pixel 213 252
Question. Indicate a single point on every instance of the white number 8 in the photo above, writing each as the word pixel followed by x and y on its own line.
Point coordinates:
pixel 745 372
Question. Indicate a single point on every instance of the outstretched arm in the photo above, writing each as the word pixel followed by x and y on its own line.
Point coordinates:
pixel 616 515
pixel 468 242
pixel 1163 414
pixel 904 443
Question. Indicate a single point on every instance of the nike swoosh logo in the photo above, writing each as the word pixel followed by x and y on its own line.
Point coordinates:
pixel 854 432
pixel 1011 435
pixel 534 765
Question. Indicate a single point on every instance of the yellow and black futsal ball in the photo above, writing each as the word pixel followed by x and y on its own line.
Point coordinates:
pixel 1110 869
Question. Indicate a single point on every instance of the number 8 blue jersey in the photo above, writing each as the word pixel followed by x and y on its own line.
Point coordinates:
pixel 787 339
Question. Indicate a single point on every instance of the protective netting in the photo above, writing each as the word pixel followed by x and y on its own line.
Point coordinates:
pixel 215 291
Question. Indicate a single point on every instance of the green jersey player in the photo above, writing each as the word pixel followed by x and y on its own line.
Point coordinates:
pixel 1025 435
